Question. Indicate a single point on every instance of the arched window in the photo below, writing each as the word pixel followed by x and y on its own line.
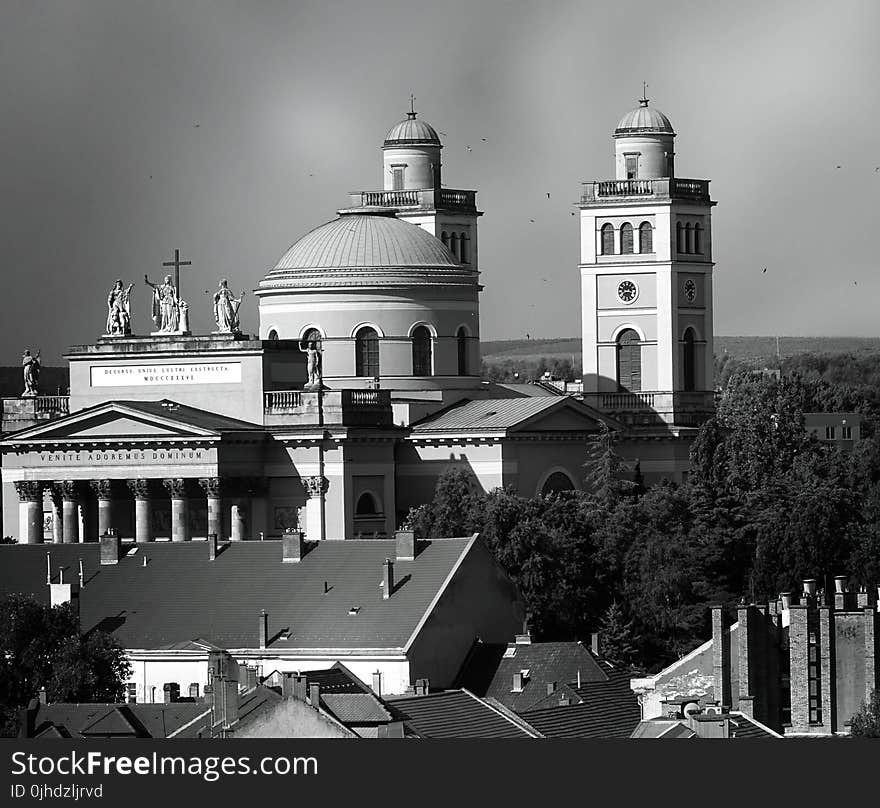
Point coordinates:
pixel 626 238
pixel 689 363
pixel 679 237
pixel 689 231
pixel 366 352
pixel 556 482
pixel 607 239
pixel 444 237
pixel 698 239
pixel 462 340
pixel 629 361
pixel 421 351
pixel 454 244
pixel 273 335
pixel 463 248
pixel 312 335
pixel 366 505
pixel 646 238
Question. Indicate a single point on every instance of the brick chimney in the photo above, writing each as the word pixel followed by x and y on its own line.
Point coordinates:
pixel 292 547
pixel 596 643
pixel 300 686
pixel 110 547
pixel 387 579
pixel 721 656
pixel 423 687
pixel 405 545
pixel 264 628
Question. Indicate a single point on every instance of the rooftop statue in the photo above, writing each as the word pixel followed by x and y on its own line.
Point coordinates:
pixel 31 370
pixel 166 306
pixel 226 307
pixel 119 310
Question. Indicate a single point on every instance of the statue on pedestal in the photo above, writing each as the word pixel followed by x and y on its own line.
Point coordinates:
pixel 166 306
pixel 226 307
pixel 313 368
pixel 119 310
pixel 31 370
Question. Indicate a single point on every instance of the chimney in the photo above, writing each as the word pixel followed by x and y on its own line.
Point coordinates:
pixel 315 694
pixel 785 597
pixel 862 598
pixel 228 703
pixel 42 697
pixel 109 548
pixel 377 683
pixel 212 546
pixel 840 582
pixel 595 643
pixel 251 677
pixel 517 682
pixel 564 701
pixel 422 687
pixel 405 541
pixel 264 628
pixel 300 686
pixel 171 692
pixel 551 688
pixel 292 546
pixel 809 587
pixel 721 668
pixel 522 639
pixel 387 579
pixel 392 730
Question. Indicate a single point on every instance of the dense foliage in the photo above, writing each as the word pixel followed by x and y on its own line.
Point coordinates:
pixel 42 646
pixel 866 722
pixel 765 505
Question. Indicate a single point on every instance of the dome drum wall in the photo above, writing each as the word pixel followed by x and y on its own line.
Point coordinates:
pixel 411 167
pixel 655 156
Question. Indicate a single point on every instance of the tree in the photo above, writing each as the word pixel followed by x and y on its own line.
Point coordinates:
pixel 619 642
pixel 866 722
pixel 43 647
pixel 605 468
pixel 455 509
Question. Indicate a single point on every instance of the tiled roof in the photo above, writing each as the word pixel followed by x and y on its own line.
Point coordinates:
pixel 499 414
pixel 180 595
pixel 136 720
pixel 547 662
pixel 608 709
pixel 355 708
pixel 742 727
pixel 458 714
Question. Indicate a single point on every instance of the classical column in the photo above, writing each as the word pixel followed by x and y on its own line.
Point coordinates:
pixel 30 511
pixel 103 494
pixel 179 508
pixel 315 488
pixel 57 517
pixel 143 510
pixel 211 487
pixel 69 512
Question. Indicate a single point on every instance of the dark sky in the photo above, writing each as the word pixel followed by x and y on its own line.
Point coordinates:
pixel 230 129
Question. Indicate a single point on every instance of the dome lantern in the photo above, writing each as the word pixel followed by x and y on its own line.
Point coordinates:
pixel 643 144
pixel 411 154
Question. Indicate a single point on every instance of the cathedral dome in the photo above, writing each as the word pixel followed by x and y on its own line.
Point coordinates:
pixel 643 120
pixel 411 131
pixel 359 245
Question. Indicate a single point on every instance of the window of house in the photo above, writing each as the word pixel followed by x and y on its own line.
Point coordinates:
pixel 698 239
pixel 607 239
pixel 646 238
pixel 444 237
pixel 421 351
pixel 830 433
pixel 558 481
pixel 273 335
pixel 366 352
pixel 632 166
pixel 454 244
pixel 397 177
pixel 366 505
pixel 462 340
pixel 679 237
pixel 629 361
pixel 846 432
pixel 626 238
pixel 463 248
pixel 194 691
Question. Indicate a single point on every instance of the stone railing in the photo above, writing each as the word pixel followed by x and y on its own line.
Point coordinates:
pixel 655 407
pixel 282 400
pixel 664 188
pixel 428 198
pixel 626 401
pixel 51 405
pixel 20 413
pixel 390 199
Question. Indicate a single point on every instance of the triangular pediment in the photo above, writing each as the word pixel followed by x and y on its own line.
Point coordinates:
pixel 567 415
pixel 111 421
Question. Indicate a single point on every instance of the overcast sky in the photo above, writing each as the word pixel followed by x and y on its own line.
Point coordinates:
pixel 230 129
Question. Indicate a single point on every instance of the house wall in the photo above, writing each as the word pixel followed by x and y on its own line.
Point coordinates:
pixel 291 718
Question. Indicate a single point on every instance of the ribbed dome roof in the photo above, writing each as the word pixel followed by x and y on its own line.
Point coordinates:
pixel 359 248
pixel 644 120
pixel 411 130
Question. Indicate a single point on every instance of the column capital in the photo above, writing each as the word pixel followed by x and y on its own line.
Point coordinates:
pixel 212 486
pixel 315 486
pixel 69 490
pixel 54 490
pixel 102 488
pixel 139 488
pixel 29 490
pixel 176 486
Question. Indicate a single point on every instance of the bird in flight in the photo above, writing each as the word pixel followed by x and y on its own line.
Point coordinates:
pixel 764 269
pixel 548 196
pixel 468 148
pixel 196 125
pixel 838 166
pixel 484 140
pixel 532 221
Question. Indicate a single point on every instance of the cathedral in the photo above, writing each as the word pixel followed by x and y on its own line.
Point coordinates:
pixel 362 383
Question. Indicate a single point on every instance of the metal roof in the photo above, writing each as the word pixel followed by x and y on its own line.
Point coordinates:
pixel 411 130
pixel 180 594
pixel 644 120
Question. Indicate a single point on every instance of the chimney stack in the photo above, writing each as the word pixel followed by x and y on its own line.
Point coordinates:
pixel 387 579
pixel 42 697
pixel 423 687
pixel 405 541
pixel 292 546
pixel 517 682
pixel 110 545
pixel 300 686
pixel 377 683
pixel 551 688
pixel 212 546
pixel 171 692
pixel 315 694
pixel 250 677
pixel 264 628
pixel 596 644
pixel 810 587
pixel 785 597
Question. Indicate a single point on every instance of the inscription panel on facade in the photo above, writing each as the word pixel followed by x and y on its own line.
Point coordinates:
pixel 176 373
pixel 119 457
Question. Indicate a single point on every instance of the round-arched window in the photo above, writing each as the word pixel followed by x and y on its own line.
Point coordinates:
pixel 557 482
pixel 366 345
pixel 421 351
pixel 366 505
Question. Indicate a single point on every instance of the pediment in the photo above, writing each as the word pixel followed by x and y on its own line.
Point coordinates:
pixel 568 416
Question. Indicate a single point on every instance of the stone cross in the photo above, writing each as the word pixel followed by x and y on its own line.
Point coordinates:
pixel 177 264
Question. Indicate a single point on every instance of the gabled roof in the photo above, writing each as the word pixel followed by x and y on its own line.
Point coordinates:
pixel 113 722
pixel 607 709
pixel 503 415
pixel 128 419
pixel 742 727
pixel 459 714
pixel 133 720
pixel 180 595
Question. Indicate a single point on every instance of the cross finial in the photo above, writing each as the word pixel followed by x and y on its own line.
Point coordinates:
pixel 177 264
pixel 644 99
pixel 412 107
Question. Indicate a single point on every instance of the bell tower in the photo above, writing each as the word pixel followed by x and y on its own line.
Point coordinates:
pixel 646 282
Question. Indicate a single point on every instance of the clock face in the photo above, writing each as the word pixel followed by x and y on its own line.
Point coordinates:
pixel 627 291
pixel 690 290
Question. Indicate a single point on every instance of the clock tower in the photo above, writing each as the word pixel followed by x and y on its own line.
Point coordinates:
pixel 646 283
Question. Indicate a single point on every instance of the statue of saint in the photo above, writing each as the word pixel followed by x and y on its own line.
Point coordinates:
pixel 31 369
pixel 119 310
pixel 226 307
pixel 313 368
pixel 166 306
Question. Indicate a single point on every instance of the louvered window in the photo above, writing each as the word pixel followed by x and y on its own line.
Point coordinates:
pixel 626 238
pixel 646 238
pixel 629 361
pixel 690 361
pixel 421 351
pixel 607 239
